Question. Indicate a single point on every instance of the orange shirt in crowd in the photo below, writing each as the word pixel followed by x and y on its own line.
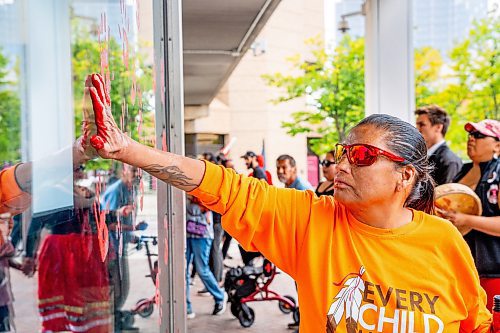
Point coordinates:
pixel 417 278
pixel 12 199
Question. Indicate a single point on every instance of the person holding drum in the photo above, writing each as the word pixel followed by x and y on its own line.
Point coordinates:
pixel 483 176
pixel 370 258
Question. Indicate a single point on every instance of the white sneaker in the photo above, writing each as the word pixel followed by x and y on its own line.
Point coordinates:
pixel 191 315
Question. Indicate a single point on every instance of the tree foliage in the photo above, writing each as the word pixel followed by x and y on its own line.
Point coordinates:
pixel 468 84
pixel 10 112
pixel 86 59
pixel 334 86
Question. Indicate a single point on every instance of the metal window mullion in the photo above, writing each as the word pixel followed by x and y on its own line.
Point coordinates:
pixel 171 202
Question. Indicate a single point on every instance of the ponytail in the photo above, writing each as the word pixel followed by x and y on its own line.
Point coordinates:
pixel 422 195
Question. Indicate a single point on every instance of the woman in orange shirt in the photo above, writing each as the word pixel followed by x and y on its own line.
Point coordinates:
pixel 369 259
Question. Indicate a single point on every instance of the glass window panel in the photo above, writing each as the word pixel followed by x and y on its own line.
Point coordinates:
pixel 89 220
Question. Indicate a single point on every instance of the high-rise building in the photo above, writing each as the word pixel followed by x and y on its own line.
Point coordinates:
pixel 437 23
pixel 442 23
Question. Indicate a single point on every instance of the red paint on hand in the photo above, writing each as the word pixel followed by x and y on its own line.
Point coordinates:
pixel 97 142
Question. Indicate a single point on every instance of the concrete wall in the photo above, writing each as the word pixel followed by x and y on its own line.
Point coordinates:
pixel 243 108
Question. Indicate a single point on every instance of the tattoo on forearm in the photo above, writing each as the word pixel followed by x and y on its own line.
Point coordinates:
pixel 172 175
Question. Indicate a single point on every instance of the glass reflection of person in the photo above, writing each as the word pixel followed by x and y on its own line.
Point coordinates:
pixel 375 234
pixel 73 286
pixel 119 201
pixel 73 281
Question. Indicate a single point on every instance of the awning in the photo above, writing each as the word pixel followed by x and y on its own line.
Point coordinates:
pixel 217 33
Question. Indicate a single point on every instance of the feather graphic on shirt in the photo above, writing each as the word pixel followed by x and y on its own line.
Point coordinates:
pixel 348 301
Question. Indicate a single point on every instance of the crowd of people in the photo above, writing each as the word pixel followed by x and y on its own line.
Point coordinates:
pixel 444 166
pixel 367 248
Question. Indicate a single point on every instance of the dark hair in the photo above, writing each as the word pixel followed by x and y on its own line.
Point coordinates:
pixel 285 157
pixel 209 157
pixel 437 116
pixel 404 140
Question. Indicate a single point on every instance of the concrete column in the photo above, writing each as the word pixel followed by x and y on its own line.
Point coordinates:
pixel 389 84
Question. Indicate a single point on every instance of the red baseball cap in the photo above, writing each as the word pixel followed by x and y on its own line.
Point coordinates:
pixel 487 127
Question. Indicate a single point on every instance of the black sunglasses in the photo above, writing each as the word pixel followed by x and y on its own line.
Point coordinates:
pixel 327 163
pixel 478 135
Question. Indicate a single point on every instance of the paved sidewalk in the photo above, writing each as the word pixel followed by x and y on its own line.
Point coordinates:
pixel 268 317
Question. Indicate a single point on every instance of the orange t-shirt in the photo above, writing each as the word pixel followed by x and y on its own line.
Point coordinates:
pixel 12 199
pixel 353 277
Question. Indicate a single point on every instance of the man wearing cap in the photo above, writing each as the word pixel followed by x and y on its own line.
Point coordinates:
pixel 252 163
pixel 433 122
pixel 483 176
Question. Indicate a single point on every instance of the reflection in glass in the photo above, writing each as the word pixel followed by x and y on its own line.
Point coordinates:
pixel 67 255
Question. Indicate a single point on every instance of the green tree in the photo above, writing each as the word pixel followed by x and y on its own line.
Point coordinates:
pixel 10 113
pixel 335 85
pixel 467 86
pixel 86 59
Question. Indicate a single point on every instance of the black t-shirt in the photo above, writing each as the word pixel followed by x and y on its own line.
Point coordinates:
pixel 259 173
pixel 485 248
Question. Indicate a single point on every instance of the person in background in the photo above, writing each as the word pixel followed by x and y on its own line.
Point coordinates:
pixel 483 176
pixel 433 122
pixel 227 163
pixel 199 237
pixel 216 259
pixel 287 173
pixel 119 202
pixel 257 172
pixel 329 172
pixel 253 164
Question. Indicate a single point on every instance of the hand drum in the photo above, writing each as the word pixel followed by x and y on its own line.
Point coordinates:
pixel 459 198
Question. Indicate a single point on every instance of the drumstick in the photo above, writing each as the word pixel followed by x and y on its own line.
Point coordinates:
pixel 228 147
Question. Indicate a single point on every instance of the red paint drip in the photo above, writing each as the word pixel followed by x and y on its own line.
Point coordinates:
pixel 133 91
pixel 102 228
pixel 165 225
pixel 162 83
pixel 139 96
pixel 140 121
pixel 141 199
pixel 164 140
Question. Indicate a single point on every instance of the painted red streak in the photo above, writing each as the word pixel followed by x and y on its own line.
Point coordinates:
pixel 139 97
pixel 165 225
pixel 141 190
pixel 133 90
pixel 125 49
pixel 164 140
pixel 139 126
pixel 162 83
pixel 98 96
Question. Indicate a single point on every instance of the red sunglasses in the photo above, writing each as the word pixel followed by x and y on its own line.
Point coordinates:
pixel 361 154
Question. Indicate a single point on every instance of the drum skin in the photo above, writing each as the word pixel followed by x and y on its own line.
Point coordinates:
pixel 459 198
